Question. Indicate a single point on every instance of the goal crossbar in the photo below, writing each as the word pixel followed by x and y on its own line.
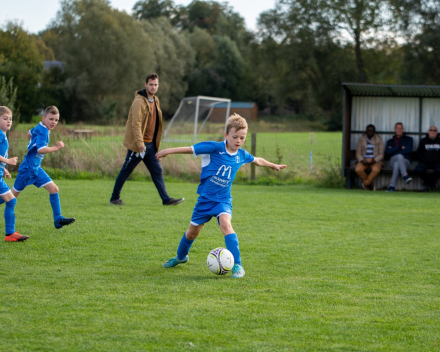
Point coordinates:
pixel 196 114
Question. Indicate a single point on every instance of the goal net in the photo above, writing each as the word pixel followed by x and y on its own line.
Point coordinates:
pixel 197 115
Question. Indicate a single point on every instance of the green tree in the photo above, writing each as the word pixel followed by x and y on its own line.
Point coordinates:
pixel 419 21
pixel 106 57
pixel 148 9
pixel 173 59
pixel 21 60
pixel 360 20
pixel 214 17
pixel 8 96
pixel 304 66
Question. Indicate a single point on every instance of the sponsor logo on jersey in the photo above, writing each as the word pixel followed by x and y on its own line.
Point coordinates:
pixel 237 159
pixel 225 169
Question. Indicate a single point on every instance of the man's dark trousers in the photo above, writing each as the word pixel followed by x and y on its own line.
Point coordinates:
pixel 430 180
pixel 153 165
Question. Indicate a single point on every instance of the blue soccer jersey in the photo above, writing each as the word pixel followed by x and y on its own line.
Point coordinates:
pixel 4 146
pixel 219 168
pixel 39 140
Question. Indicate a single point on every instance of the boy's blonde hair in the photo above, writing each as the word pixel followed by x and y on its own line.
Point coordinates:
pixel 53 110
pixel 237 122
pixel 5 110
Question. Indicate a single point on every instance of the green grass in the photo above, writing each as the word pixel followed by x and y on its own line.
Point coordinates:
pixel 326 270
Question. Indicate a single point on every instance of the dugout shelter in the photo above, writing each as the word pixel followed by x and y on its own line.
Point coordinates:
pixel 417 107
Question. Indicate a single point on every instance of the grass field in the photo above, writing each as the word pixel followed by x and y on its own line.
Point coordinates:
pixel 326 270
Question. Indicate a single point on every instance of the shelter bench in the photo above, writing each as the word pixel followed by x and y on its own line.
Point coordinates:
pixel 350 173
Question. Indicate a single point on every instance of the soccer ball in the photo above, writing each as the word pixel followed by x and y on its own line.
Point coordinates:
pixel 220 261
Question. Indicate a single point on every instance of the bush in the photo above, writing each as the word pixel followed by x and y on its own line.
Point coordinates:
pixel 330 176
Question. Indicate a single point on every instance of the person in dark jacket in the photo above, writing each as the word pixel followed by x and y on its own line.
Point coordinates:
pixel 143 134
pixel 429 158
pixel 399 149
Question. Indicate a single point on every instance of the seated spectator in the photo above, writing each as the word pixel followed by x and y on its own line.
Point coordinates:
pixel 369 155
pixel 399 149
pixel 429 158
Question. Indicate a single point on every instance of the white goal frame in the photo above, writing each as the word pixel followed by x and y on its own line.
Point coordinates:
pixel 196 114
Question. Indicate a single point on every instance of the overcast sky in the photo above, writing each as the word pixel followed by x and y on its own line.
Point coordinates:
pixel 36 14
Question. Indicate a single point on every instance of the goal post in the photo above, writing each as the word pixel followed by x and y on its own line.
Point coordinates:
pixel 193 115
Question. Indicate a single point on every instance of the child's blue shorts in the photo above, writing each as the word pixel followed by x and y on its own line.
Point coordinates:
pixel 4 188
pixel 26 178
pixel 205 209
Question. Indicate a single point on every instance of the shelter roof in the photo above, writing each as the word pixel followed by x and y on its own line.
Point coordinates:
pixel 391 90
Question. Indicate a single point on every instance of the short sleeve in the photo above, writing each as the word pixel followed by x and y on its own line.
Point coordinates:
pixel 248 157
pixel 2 137
pixel 205 148
pixel 41 140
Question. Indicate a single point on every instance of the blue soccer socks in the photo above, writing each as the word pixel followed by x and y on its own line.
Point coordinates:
pixel 184 246
pixel 58 220
pixel 231 242
pixel 56 205
pixel 10 216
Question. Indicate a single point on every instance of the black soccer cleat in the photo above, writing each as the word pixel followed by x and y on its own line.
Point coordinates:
pixel 174 201
pixel 63 222
pixel 117 202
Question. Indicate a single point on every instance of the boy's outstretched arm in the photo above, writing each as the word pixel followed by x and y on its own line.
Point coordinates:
pixel 55 148
pixel 263 162
pixel 179 150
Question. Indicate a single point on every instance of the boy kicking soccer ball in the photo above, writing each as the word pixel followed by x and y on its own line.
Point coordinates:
pixel 220 163
pixel 30 171
pixel 6 195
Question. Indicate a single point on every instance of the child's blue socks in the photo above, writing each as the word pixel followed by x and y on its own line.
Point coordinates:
pixel 184 246
pixel 56 205
pixel 231 242
pixel 10 216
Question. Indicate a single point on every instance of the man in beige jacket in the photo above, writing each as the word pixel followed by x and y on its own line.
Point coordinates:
pixel 369 155
pixel 143 134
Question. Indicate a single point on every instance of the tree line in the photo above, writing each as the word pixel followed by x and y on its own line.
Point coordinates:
pixel 292 64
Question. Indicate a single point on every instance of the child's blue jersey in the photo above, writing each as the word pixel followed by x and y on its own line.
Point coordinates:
pixel 219 168
pixel 39 140
pixel 4 146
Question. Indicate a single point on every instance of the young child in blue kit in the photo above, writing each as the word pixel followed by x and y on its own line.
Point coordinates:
pixel 30 171
pixel 6 195
pixel 220 163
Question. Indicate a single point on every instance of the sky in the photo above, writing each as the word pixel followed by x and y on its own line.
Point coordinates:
pixel 35 15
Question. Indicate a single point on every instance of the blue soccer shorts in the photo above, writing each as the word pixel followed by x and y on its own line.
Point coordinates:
pixel 4 188
pixel 26 178
pixel 205 209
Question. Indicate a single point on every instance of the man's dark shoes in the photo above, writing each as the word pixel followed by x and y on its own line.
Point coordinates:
pixel 174 201
pixel 63 222
pixel 117 202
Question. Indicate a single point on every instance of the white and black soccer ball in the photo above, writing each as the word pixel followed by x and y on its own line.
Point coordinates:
pixel 220 261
